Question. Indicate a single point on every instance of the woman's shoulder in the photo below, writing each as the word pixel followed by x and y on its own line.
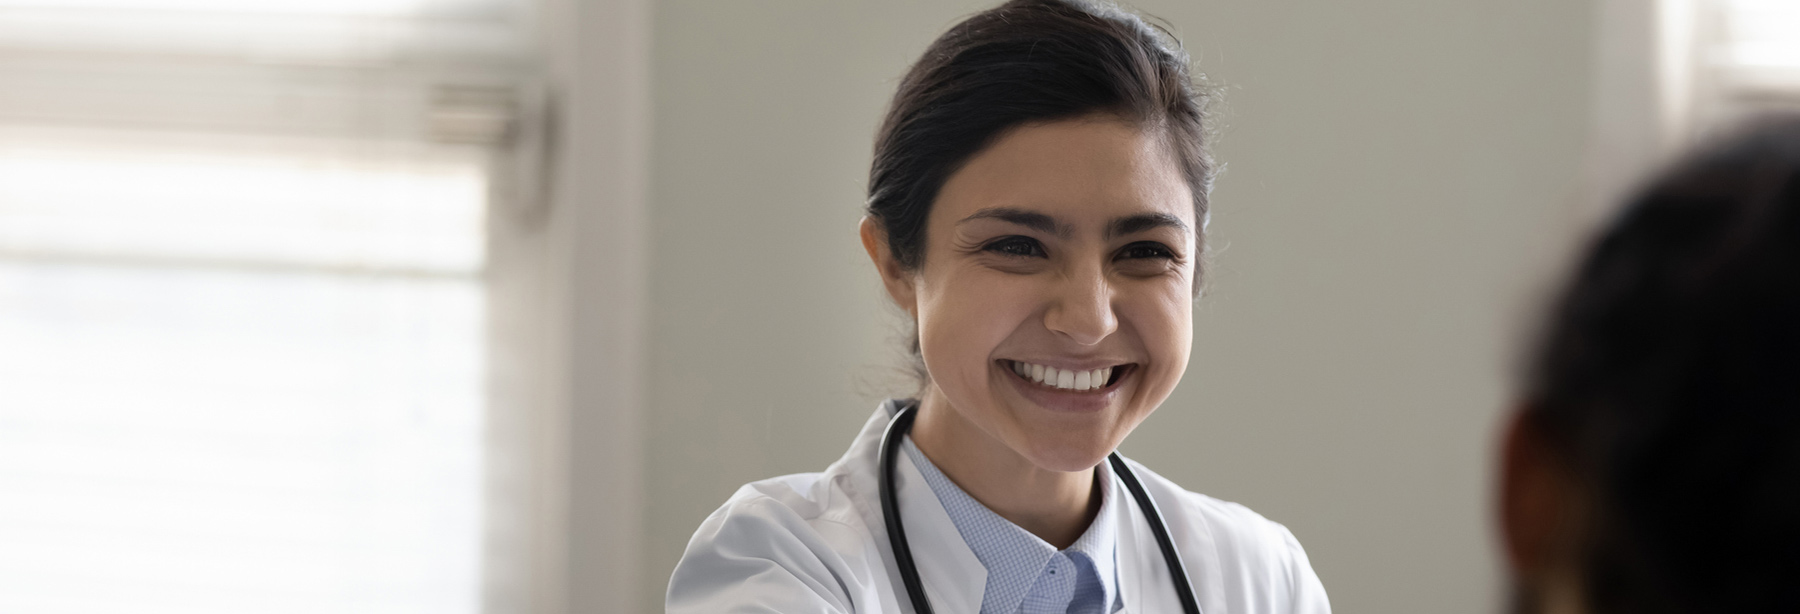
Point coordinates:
pixel 1247 548
pixel 784 534
pixel 816 497
pixel 802 509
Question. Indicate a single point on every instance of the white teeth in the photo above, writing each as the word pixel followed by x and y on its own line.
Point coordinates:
pixel 1064 378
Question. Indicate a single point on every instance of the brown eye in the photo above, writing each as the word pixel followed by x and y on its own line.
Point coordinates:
pixel 1138 251
pixel 1017 246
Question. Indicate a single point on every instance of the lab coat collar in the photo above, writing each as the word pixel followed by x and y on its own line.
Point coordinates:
pixel 1144 581
pixel 954 579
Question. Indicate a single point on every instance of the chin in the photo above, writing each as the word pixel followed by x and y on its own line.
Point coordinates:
pixel 1067 454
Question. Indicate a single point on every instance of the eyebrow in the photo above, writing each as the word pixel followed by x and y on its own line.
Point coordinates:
pixel 1130 224
pixel 1029 219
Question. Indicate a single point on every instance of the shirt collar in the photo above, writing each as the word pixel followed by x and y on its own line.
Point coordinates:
pixel 1100 541
pixel 1013 556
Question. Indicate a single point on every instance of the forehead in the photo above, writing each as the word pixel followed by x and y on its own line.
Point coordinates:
pixel 1084 171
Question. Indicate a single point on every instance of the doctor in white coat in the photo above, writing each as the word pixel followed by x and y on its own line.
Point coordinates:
pixel 1037 205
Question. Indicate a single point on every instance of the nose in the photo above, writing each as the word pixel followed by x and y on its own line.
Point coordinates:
pixel 1081 308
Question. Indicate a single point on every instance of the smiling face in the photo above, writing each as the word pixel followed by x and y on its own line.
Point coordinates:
pixel 1054 299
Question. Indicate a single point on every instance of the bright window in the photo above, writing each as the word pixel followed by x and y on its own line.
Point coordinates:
pixel 1746 61
pixel 1761 35
pixel 239 381
pixel 244 310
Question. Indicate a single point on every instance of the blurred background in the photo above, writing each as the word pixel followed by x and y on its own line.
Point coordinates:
pixel 483 305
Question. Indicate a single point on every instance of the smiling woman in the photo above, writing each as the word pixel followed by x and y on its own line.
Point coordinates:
pixel 1037 205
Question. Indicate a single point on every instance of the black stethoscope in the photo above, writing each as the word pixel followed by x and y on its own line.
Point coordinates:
pixel 909 574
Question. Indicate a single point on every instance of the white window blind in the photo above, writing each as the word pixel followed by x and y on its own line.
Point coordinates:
pixel 1761 42
pixel 1748 61
pixel 243 311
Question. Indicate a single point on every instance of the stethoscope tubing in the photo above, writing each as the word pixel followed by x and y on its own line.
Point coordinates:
pixel 909 571
pixel 1184 590
pixel 890 511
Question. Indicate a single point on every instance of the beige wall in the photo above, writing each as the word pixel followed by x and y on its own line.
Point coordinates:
pixel 1397 171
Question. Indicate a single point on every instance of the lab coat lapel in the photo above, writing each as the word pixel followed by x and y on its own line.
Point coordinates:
pixel 1144 581
pixel 954 579
pixel 1143 578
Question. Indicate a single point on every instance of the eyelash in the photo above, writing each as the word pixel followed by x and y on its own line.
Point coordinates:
pixel 1029 247
pixel 1159 251
pixel 1010 246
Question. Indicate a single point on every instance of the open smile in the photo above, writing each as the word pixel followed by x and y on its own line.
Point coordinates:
pixel 1069 380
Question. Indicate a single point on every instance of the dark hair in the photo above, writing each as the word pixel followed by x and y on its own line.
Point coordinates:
pixel 1025 62
pixel 1669 383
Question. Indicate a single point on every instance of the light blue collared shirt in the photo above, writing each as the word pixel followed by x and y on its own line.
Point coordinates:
pixel 1025 574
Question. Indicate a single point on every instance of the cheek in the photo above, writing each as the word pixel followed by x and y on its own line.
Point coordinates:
pixel 961 320
pixel 1165 323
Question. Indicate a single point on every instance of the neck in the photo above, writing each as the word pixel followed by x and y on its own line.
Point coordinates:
pixel 1056 506
pixel 1555 590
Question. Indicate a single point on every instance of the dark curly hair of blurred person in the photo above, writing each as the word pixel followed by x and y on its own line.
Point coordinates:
pixel 1667 390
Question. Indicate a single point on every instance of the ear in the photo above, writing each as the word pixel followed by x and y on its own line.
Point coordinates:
pixel 1537 499
pixel 896 278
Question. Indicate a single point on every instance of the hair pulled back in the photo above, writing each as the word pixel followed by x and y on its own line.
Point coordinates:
pixel 1026 62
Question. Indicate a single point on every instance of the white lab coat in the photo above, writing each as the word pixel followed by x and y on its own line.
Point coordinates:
pixel 816 543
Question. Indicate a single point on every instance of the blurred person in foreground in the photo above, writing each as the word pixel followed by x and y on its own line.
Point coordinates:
pixel 1654 465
